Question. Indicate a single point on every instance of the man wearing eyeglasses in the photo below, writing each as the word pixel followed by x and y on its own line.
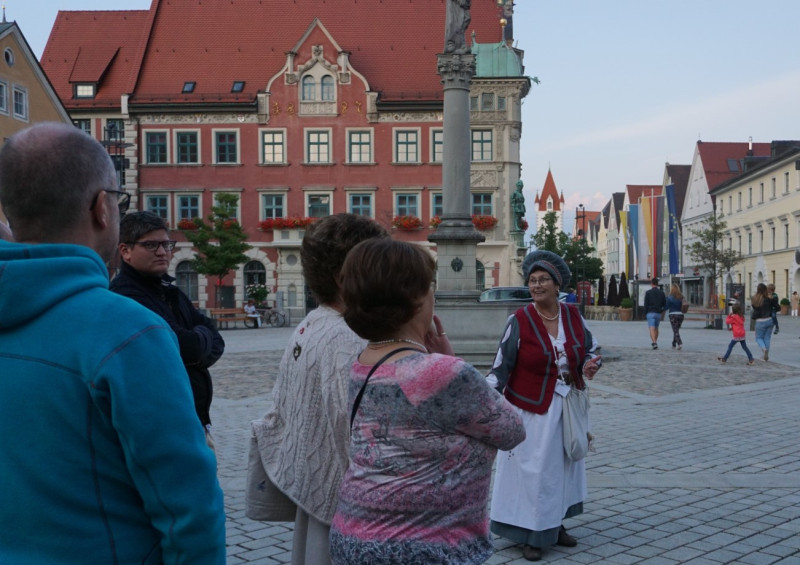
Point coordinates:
pixel 146 251
pixel 103 459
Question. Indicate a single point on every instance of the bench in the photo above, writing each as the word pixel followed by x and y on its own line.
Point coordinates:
pixel 228 315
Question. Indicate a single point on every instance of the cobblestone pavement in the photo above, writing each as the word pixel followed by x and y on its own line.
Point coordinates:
pixel 696 461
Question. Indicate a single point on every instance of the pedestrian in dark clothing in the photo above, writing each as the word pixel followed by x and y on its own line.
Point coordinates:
pixel 146 250
pixel 655 302
pixel 776 306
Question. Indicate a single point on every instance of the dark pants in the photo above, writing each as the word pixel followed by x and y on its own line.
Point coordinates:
pixel 744 346
pixel 675 322
pixel 775 321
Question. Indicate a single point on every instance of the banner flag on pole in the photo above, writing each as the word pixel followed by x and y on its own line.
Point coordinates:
pixel 625 238
pixel 658 235
pixel 672 210
pixel 633 225
pixel 644 247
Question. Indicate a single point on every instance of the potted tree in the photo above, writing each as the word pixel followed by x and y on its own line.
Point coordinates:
pixel 626 310
pixel 785 306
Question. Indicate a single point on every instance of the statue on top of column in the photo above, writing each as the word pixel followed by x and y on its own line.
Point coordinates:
pixel 518 206
pixel 456 23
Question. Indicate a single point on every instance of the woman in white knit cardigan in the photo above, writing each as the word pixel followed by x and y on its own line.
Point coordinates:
pixel 305 437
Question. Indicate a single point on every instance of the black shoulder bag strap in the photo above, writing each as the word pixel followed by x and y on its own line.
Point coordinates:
pixel 364 386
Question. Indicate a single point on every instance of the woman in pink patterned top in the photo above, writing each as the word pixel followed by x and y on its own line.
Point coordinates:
pixel 426 430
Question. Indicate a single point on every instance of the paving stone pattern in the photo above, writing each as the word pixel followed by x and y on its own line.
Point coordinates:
pixel 696 462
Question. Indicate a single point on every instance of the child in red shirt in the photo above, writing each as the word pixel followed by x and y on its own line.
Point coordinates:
pixel 736 322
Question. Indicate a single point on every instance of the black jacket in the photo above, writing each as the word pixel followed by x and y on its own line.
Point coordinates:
pixel 200 343
pixel 655 300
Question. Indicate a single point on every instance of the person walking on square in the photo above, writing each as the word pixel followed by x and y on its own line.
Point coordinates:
pixel 761 312
pixel 146 250
pixel 795 303
pixel 655 302
pixel 675 302
pixel 776 306
pixel 736 322
pixel 303 440
pixel 104 460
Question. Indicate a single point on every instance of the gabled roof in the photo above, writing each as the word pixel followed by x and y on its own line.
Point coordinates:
pixel 783 153
pixel 549 190
pixel 619 202
pixel 102 47
pixel 636 191
pixel 679 175
pixel 606 211
pixel 722 161
pixel 215 42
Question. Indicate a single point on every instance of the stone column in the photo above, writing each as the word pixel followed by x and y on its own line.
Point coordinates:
pixel 456 238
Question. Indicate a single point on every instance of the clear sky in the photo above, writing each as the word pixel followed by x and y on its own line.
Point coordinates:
pixel 626 85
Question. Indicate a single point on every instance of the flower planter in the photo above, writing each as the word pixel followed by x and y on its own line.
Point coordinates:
pixel 625 314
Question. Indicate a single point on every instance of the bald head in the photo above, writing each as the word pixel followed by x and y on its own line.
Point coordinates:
pixel 50 174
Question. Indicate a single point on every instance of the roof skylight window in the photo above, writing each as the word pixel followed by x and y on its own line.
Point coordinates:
pixel 238 86
pixel 188 87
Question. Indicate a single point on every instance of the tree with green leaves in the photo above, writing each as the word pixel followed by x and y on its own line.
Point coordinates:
pixel 220 242
pixel 577 253
pixel 549 237
pixel 707 252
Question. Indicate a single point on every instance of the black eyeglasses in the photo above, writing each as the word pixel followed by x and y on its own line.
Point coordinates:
pixel 153 246
pixel 123 200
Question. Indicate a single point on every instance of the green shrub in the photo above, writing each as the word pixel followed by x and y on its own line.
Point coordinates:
pixel 626 303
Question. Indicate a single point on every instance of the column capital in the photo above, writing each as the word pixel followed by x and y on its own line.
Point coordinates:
pixel 456 70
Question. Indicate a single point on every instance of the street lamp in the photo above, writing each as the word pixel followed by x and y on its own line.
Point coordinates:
pixel 580 234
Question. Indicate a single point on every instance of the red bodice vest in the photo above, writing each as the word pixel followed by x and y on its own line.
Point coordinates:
pixel 533 379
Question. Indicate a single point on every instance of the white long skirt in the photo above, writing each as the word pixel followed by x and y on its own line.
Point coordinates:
pixel 535 483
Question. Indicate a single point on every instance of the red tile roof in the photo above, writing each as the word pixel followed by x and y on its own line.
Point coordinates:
pixel 393 43
pixel 715 156
pixel 82 46
pixel 549 190
pixel 636 191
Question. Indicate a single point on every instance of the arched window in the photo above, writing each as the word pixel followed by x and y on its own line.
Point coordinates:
pixel 186 279
pixel 309 88
pixel 480 275
pixel 327 88
pixel 254 273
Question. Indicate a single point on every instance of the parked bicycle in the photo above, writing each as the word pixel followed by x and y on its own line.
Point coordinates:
pixel 270 316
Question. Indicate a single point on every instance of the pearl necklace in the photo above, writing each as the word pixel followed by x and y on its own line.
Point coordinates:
pixel 379 344
pixel 558 313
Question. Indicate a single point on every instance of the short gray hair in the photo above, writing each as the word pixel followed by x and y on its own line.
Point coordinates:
pixel 49 175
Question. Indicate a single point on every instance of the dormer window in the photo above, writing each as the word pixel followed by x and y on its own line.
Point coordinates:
pixel 188 87
pixel 238 86
pixel 309 88
pixel 85 90
pixel 327 88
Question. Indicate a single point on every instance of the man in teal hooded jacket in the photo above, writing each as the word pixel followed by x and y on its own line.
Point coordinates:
pixel 104 460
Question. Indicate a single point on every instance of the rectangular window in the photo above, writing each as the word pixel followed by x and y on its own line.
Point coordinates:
pixel 730 204
pixel 761 193
pixel 318 147
pixel 4 98
pixel 406 146
pixel 773 187
pixel 361 205
pixel 739 240
pixel 482 204
pixel 761 241
pixel 437 205
pixel 84 91
pixel 359 147
pixel 749 243
pixel 187 147
pixel 272 205
pixel 481 145
pixel 473 103
pixel 785 236
pixel 188 207
pixel 406 205
pixel 226 147
pixel 501 103
pixel 749 195
pixel 231 208
pixel 739 196
pixel 786 183
pixel 437 146
pixel 487 101
pixel 319 205
pixel 20 103
pixel 157 204
pixel 273 147
pixel 773 238
pixel 115 130
pixel 84 125
pixel 156 147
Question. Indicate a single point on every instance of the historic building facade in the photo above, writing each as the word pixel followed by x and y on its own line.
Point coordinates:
pixel 300 113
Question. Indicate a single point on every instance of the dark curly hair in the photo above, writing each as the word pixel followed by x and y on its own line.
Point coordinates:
pixel 383 283
pixel 325 246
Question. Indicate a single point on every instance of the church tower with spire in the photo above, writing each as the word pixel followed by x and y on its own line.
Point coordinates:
pixel 549 201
